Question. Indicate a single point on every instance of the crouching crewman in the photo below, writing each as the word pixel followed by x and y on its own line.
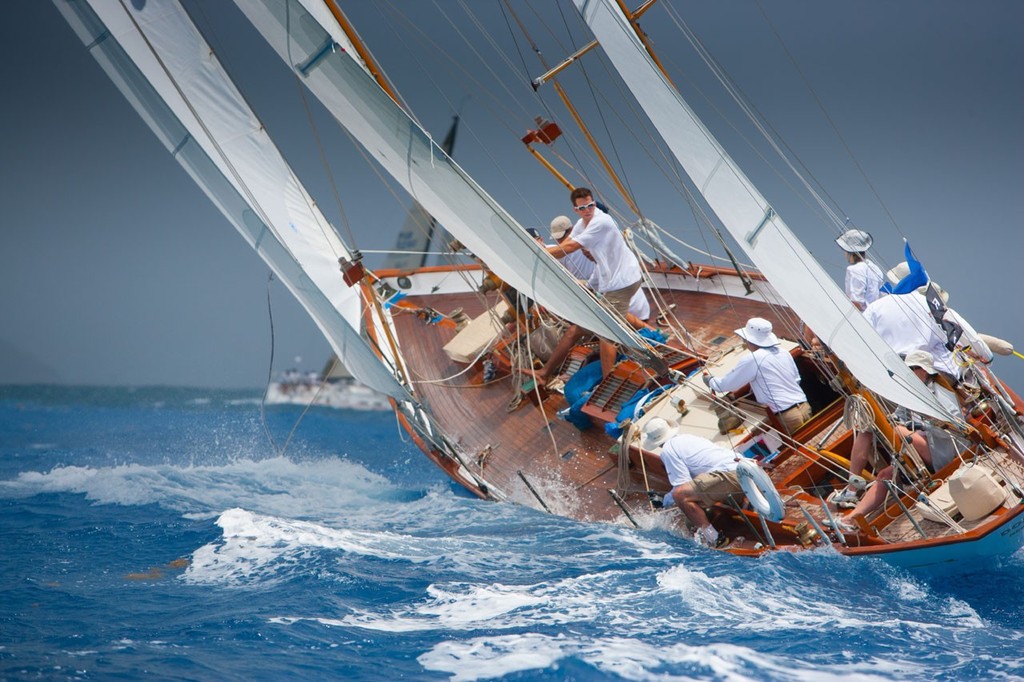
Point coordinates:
pixel 701 473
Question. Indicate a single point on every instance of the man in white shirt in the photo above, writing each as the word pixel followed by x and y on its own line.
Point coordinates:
pixel 906 323
pixel 863 278
pixel 617 274
pixel 701 473
pixel 581 266
pixel 771 373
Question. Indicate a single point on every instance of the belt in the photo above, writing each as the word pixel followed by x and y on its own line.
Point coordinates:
pixel 793 407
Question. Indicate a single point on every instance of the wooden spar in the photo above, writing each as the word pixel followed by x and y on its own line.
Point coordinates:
pixel 554 171
pixel 551 73
pixel 633 16
pixel 364 54
pixel 582 126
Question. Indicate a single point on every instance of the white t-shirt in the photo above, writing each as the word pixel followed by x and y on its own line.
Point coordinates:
pixel 772 375
pixel 905 322
pixel 686 456
pixel 581 267
pixel 616 267
pixel 863 282
pixel 578 265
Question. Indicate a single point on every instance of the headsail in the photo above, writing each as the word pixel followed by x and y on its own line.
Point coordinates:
pixel 308 42
pixel 774 249
pixel 162 65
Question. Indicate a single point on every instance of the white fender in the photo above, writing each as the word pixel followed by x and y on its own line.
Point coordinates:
pixel 760 491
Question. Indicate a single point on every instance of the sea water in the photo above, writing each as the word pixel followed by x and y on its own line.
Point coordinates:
pixel 176 534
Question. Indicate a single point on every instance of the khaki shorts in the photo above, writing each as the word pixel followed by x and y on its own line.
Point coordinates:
pixel 619 299
pixel 795 416
pixel 716 486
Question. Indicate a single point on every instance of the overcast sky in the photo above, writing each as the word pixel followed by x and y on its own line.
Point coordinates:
pixel 115 268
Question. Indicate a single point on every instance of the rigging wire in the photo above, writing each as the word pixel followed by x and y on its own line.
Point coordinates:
pixel 270 369
pixel 831 121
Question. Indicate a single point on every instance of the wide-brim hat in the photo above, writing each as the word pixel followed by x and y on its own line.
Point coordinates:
pixel 854 241
pixel 656 432
pixel 559 226
pixel 901 270
pixel 922 359
pixel 758 332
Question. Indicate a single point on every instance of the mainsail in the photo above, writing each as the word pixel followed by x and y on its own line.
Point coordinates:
pixel 162 65
pixel 307 41
pixel 796 276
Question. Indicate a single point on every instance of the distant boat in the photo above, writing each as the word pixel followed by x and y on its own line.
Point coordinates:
pixel 334 387
pixel 462 390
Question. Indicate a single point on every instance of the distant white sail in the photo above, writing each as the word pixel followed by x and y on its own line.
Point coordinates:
pixel 420 229
pixel 303 39
pixel 162 65
pixel 774 249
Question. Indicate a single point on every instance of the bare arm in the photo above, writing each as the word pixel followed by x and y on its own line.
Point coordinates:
pixel 565 248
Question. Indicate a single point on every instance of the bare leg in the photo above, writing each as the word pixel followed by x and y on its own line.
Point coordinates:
pixel 609 351
pixel 874 496
pixel 918 440
pixel 561 350
pixel 689 501
pixel 863 444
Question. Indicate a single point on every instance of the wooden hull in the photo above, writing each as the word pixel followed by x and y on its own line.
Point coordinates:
pixel 495 433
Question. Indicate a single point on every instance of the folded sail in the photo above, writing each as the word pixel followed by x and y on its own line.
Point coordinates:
pixel 162 65
pixel 308 42
pixel 778 254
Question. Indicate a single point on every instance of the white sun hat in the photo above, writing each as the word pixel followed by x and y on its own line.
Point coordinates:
pixel 656 432
pixel 922 359
pixel 854 241
pixel 559 226
pixel 758 332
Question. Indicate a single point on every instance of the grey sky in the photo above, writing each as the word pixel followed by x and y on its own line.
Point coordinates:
pixel 117 270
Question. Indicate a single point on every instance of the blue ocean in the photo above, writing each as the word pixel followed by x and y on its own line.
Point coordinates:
pixel 175 534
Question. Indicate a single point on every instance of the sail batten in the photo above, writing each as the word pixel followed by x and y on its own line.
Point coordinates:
pixel 295 29
pixel 160 62
pixel 797 277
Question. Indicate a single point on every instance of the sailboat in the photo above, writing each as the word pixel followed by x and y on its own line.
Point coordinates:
pixel 452 345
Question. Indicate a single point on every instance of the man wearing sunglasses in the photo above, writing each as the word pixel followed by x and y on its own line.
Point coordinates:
pixel 617 270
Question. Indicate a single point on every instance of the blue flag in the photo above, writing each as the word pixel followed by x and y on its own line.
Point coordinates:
pixel 917 278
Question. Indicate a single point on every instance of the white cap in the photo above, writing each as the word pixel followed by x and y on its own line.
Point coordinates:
pixel 559 226
pixel 854 241
pixel 656 432
pixel 758 332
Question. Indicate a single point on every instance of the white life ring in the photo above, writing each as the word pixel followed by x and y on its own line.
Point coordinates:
pixel 760 491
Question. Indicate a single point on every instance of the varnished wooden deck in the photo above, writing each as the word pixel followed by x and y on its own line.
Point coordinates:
pixel 572 471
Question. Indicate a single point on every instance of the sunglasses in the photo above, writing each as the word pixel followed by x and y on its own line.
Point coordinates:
pixel 584 207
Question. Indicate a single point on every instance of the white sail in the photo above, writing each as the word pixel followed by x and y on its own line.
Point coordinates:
pixel 162 65
pixel 415 161
pixel 774 249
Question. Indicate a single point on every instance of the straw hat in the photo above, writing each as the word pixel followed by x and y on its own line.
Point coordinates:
pixel 854 241
pixel 758 332
pixel 922 359
pixel 656 432
pixel 559 226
